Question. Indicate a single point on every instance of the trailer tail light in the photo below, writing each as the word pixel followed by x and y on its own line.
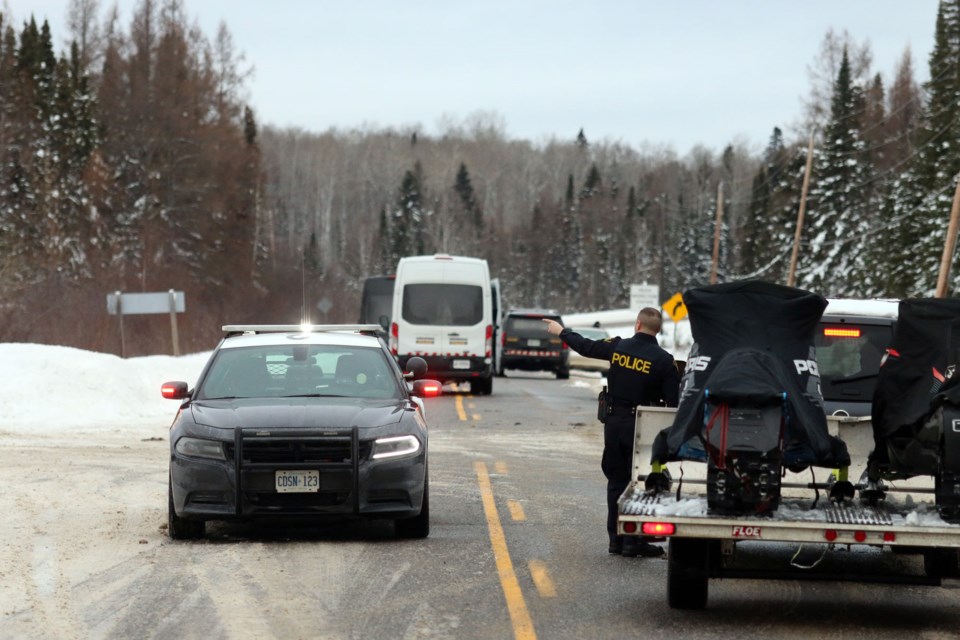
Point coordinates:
pixel 859 536
pixel 659 528
pixel 394 338
pixel 488 342
pixel 830 535
pixel 889 536
pixel 841 332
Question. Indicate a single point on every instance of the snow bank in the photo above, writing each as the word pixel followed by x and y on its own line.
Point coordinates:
pixel 49 389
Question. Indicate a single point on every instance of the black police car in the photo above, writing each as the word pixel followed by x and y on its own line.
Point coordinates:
pixel 526 344
pixel 300 421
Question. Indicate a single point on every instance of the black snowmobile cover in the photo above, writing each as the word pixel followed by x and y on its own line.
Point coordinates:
pixel 918 372
pixel 753 343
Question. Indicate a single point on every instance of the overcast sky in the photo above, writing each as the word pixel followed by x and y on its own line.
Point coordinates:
pixel 677 72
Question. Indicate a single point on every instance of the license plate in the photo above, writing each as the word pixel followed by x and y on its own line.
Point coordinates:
pixel 461 364
pixel 533 343
pixel 299 481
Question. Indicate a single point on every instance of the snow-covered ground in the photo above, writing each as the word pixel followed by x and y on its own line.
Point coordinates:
pixel 50 389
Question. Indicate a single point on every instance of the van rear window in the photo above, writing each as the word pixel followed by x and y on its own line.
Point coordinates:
pixel 442 304
pixel 849 359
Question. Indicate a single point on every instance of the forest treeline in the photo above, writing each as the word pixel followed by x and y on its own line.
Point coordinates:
pixel 132 162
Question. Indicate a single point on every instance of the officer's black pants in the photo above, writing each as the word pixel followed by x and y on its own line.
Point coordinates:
pixel 617 462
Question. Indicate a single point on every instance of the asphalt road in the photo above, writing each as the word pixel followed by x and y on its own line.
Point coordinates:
pixel 517 550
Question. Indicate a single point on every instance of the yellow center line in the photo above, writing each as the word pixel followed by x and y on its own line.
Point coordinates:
pixel 516 511
pixel 541 578
pixel 500 467
pixel 519 616
pixel 476 417
pixel 460 412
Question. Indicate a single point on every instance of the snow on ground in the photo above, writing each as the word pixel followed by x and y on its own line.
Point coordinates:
pixel 51 389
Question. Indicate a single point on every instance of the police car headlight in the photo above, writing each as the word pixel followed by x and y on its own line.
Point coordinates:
pixel 394 447
pixel 199 448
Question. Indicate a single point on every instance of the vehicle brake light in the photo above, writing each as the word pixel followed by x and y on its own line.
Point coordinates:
pixel 431 390
pixel 859 536
pixel 659 528
pixel 394 338
pixel 889 536
pixel 841 332
pixel 830 535
pixel 488 343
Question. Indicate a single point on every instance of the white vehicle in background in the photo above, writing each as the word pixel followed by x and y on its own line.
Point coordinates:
pixel 584 363
pixel 443 312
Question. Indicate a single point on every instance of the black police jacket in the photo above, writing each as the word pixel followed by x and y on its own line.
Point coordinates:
pixel 641 372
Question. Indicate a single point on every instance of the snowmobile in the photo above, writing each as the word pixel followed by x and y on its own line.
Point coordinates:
pixel 916 405
pixel 750 404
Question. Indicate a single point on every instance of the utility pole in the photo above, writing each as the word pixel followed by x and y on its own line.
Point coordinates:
pixel 792 274
pixel 949 245
pixel 716 234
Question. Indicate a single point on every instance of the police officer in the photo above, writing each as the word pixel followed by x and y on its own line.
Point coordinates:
pixel 641 374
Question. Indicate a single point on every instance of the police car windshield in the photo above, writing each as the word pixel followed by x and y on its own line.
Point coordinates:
pixel 285 371
pixel 528 327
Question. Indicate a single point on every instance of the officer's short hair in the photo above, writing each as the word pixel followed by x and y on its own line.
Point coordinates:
pixel 650 318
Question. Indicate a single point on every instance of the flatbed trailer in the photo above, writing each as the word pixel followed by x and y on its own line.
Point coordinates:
pixel 703 545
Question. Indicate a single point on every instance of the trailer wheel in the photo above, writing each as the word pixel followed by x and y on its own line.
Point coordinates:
pixel 687 573
pixel 942 563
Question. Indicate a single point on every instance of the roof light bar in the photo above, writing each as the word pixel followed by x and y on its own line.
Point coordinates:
pixel 298 328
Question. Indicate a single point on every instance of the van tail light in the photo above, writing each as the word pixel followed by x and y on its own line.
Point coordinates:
pixel 394 338
pixel 488 343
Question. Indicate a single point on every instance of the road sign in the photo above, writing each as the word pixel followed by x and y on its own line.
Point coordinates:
pixel 124 304
pixel 644 295
pixel 137 303
pixel 675 307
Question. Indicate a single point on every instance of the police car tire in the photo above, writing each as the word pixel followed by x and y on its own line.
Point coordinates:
pixel 180 528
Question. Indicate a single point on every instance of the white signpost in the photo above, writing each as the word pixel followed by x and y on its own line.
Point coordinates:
pixel 644 295
pixel 125 304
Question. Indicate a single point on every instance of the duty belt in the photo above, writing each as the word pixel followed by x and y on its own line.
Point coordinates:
pixel 622 410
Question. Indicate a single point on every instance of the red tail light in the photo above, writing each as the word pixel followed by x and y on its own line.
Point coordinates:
pixel 394 338
pixel 431 390
pixel 659 528
pixel 488 343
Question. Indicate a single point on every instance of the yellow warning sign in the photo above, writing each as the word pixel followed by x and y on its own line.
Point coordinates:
pixel 675 307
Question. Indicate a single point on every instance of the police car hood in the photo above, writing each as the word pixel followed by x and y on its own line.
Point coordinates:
pixel 282 413
pixel 753 346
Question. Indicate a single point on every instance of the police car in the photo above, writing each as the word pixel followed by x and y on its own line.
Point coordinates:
pixel 315 421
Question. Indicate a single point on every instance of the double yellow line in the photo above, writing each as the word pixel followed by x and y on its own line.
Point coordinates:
pixel 461 412
pixel 516 605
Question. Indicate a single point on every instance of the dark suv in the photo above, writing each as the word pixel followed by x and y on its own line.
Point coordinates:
pixel 850 342
pixel 527 345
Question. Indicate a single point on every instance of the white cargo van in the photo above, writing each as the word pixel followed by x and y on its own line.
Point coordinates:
pixel 443 312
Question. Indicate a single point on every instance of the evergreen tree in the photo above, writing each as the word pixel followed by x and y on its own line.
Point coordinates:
pixel 839 207
pixel 768 229
pixel 916 210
